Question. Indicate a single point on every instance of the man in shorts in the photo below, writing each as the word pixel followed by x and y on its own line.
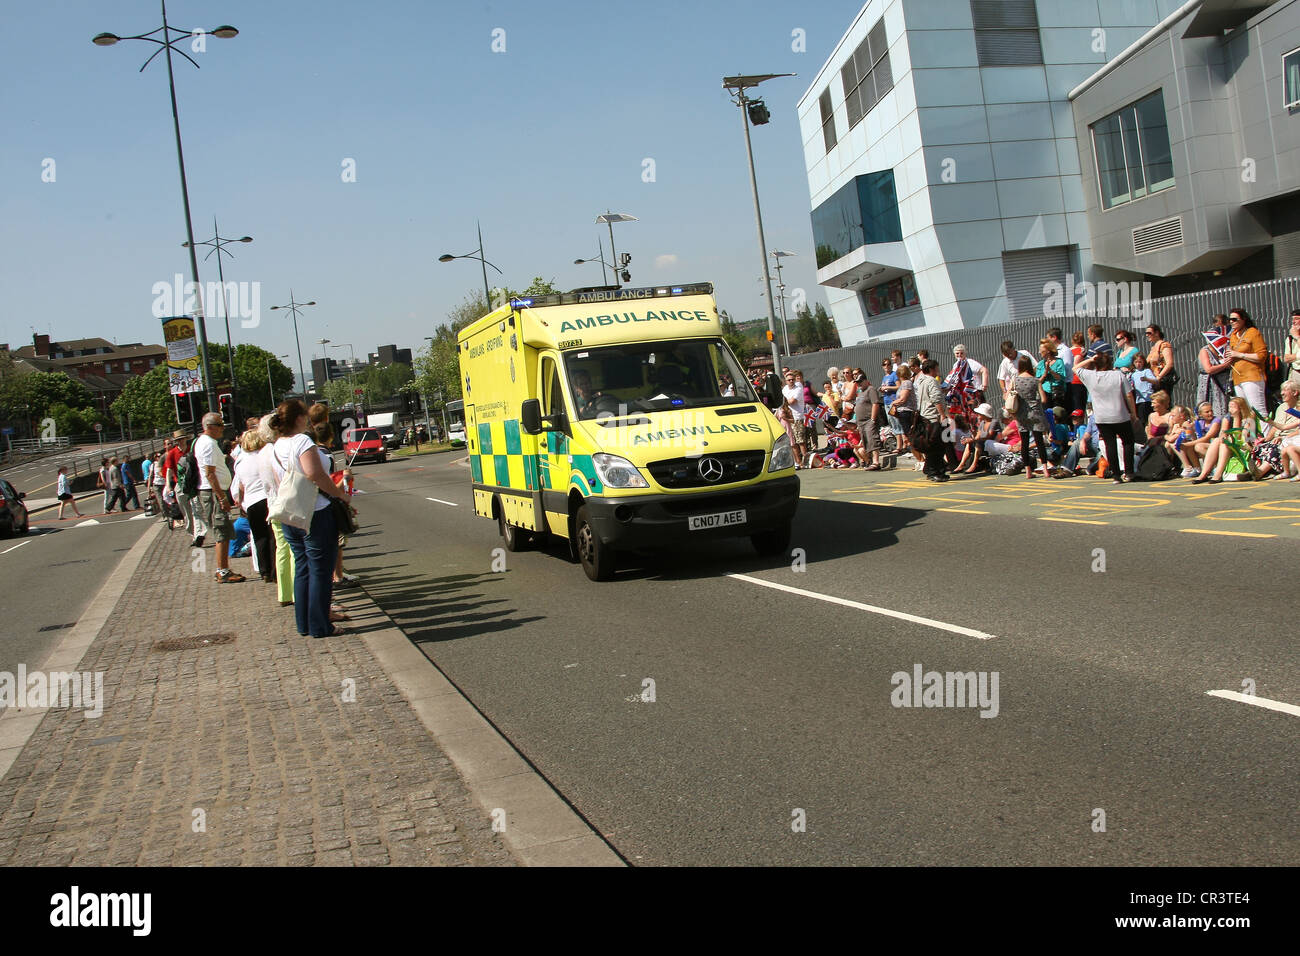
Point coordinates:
pixel 214 493
pixel 793 392
pixel 866 413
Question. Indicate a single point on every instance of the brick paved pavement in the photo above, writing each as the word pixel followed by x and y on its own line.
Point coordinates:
pixel 254 733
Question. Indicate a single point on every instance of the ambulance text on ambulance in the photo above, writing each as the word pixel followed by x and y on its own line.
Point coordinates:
pixel 674 434
pixel 592 322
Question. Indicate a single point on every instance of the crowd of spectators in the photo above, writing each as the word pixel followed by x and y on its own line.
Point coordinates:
pixel 226 490
pixel 1091 403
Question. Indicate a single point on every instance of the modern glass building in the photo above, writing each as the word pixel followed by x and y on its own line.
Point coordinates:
pixel 944 166
pixel 1190 141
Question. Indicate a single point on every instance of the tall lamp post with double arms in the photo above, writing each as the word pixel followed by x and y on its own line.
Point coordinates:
pixel 166 44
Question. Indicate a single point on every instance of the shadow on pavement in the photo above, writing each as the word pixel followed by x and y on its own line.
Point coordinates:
pixel 825 530
pixel 432 609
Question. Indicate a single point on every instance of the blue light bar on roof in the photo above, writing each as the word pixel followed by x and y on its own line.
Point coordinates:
pixel 610 295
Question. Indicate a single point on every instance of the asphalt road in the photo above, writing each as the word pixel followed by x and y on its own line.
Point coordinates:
pixel 38 477
pixel 770 702
pixel 51 574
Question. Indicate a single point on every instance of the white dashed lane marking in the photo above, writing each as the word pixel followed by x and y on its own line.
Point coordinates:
pixel 1251 699
pixel 871 608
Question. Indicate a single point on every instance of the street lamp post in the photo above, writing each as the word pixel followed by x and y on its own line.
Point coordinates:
pixel 224 32
pixel 269 382
pixel 295 307
pixel 351 380
pixel 600 257
pixel 778 255
pixel 448 257
pixel 737 85
pixel 609 218
pixel 218 246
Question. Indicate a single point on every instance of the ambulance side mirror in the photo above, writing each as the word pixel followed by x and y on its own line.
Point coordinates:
pixel 530 416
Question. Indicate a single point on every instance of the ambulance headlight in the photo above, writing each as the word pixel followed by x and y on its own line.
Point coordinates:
pixel 782 454
pixel 615 472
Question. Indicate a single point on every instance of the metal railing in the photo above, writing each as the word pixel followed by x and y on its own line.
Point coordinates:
pixel 30 449
pixel 89 464
pixel 1182 319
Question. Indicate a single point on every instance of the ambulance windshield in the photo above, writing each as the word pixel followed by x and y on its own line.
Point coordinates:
pixel 655 376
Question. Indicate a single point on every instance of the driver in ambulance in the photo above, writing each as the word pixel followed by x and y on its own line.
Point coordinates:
pixel 584 395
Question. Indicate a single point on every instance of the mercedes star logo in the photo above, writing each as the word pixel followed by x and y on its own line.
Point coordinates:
pixel 710 469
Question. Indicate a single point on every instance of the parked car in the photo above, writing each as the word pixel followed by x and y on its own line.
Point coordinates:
pixel 364 444
pixel 13 513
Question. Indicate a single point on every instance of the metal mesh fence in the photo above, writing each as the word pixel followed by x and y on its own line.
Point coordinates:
pixel 1182 318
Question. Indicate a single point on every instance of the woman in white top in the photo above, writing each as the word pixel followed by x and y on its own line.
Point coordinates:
pixel 271 474
pixel 1113 408
pixel 248 490
pixel 65 494
pixel 313 549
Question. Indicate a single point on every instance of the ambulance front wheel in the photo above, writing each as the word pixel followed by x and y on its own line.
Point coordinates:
pixel 773 542
pixel 597 558
pixel 515 539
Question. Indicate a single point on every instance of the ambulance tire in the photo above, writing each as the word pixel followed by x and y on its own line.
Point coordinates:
pixel 596 557
pixel 772 543
pixel 515 539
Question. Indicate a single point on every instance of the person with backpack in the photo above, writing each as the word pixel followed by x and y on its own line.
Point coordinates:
pixel 182 477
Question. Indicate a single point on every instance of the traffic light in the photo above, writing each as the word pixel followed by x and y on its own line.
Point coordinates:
pixel 184 408
pixel 227 403
pixel 758 113
pixel 770 335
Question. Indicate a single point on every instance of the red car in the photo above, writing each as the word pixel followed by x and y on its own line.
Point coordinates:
pixel 364 444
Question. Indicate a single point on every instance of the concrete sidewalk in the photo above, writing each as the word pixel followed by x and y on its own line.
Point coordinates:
pixel 260 747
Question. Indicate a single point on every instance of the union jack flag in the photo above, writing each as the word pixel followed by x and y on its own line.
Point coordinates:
pixel 1217 341
pixel 816 414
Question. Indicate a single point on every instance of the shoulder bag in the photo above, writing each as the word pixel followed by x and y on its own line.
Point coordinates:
pixel 295 498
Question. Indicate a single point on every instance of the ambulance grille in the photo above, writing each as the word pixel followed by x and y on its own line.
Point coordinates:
pixel 687 472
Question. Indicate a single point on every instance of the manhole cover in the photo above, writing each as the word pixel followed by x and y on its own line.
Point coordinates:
pixel 194 643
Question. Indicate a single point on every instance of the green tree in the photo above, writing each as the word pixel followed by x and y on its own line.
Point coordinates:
pixel 735 339
pixel 39 391
pixel 382 382
pixel 75 421
pixel 805 329
pixel 147 400
pixel 827 335
pixel 251 383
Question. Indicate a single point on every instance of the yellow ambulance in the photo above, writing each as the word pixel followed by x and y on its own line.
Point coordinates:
pixel 620 420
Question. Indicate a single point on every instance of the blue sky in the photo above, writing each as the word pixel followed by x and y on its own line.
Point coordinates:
pixel 533 142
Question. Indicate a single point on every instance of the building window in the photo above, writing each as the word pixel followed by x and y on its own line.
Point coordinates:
pixel 108 367
pixel 828 119
pixel 866 76
pixel 897 293
pixel 1006 32
pixel 1291 79
pixel 153 362
pixel 1132 152
pixel 860 213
